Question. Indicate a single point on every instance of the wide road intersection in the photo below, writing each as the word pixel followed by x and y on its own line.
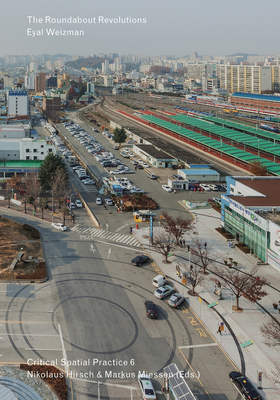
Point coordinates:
pixel 89 319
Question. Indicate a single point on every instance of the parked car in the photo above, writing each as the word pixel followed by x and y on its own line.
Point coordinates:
pixel 99 201
pixel 245 387
pixel 79 204
pixel 176 300
pixel 59 226
pixel 167 188
pixel 140 260
pixel 221 188
pixel 164 291
pixel 139 166
pixel 151 309
pixel 147 388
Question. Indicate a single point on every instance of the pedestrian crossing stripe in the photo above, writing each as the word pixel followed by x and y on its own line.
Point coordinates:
pixel 105 234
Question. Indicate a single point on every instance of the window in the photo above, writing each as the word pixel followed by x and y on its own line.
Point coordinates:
pixel 42 146
pixel 27 150
pixel 27 158
pixel 34 150
pixel 42 152
pixel 35 158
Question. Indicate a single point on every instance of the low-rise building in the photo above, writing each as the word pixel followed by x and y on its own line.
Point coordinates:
pixel 26 148
pixel 199 174
pixel 156 157
pixel 250 211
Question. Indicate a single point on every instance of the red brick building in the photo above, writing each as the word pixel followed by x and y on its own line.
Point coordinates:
pixel 52 103
pixel 257 101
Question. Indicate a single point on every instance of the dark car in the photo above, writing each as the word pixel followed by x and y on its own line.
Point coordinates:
pixel 221 188
pixel 244 386
pixel 152 176
pixel 139 166
pixel 151 309
pixel 139 260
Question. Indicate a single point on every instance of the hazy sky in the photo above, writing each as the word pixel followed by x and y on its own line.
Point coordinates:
pixel 180 27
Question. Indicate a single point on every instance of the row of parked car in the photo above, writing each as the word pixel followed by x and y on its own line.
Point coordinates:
pixel 203 187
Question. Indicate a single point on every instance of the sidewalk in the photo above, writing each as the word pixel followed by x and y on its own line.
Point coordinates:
pixel 47 214
pixel 245 325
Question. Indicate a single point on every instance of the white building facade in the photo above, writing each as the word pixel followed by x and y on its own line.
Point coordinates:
pixel 17 102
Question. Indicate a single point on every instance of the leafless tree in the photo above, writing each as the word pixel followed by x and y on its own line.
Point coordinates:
pixel 163 243
pixel 65 211
pixel 271 333
pixel 59 186
pixel 249 285
pixel 195 278
pixel 33 188
pixel 202 254
pixel 9 193
pixel 43 204
pixel 176 226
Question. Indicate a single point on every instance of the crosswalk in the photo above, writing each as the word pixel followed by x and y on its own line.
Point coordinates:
pixel 103 234
pixel 91 188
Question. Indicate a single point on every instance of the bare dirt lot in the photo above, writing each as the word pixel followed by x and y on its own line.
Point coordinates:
pixel 13 238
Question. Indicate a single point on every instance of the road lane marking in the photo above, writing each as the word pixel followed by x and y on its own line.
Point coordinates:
pixel 119 245
pixel 194 373
pixel 198 345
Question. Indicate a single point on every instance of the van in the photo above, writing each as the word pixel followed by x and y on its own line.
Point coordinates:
pixel 159 281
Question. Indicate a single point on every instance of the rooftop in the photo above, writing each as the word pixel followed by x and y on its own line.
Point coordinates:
pixel 199 171
pixel 154 152
pixel 256 96
pixel 270 188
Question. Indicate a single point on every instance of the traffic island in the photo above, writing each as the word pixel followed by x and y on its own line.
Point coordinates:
pixel 21 256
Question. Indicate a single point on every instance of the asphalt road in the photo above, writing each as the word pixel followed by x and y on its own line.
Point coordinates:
pixel 91 312
pixel 92 309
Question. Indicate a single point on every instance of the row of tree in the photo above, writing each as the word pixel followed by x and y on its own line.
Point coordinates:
pixel 51 183
pixel 201 260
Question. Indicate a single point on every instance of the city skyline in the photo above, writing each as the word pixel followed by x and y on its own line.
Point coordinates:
pixel 182 28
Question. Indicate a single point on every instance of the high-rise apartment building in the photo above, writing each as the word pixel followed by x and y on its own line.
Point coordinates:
pixel 245 78
pixel 40 82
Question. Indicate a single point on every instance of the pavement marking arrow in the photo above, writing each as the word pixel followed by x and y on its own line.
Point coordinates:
pixel 92 249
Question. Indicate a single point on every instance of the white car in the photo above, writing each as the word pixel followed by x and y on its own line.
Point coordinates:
pixel 59 226
pixel 98 201
pixel 147 388
pixel 109 202
pixel 137 190
pixel 88 182
pixel 79 204
pixel 146 165
pixel 205 187
pixel 167 188
pixel 115 172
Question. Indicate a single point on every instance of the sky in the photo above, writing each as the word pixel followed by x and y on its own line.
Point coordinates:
pixel 179 28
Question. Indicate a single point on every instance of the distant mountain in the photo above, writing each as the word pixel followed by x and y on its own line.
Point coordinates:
pixel 89 62
pixel 241 54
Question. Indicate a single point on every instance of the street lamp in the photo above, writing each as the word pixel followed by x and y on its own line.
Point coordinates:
pixel 73 194
pixel 189 251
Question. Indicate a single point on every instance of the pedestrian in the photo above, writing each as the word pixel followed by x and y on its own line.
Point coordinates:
pixel 191 267
pixel 181 242
pixel 278 307
pixel 219 330
pixel 130 230
pixel 135 167
pixel 184 243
